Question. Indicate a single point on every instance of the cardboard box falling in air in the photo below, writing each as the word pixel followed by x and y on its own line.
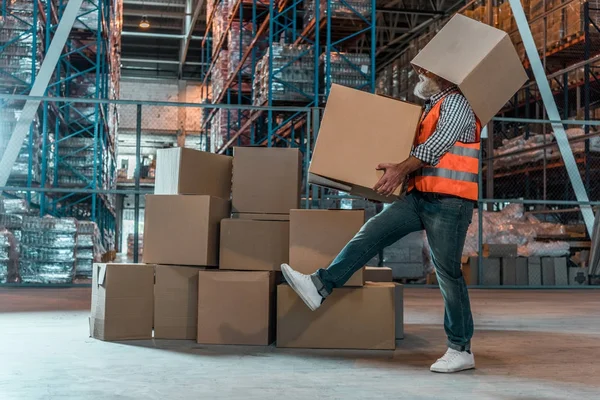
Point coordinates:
pixel 479 59
pixel 361 130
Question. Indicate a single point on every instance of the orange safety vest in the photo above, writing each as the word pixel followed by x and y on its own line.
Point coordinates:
pixel 457 173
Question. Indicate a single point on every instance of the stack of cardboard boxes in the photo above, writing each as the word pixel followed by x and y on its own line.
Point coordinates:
pixel 210 270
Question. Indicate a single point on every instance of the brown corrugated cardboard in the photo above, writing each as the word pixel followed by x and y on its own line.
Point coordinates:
pixel 175 302
pixel 236 307
pixel 187 171
pixel 261 217
pixel 254 245
pixel 378 274
pixel 122 301
pixel 183 229
pixel 343 159
pixel 266 180
pixel 481 60
pixel 350 318
pixel 317 236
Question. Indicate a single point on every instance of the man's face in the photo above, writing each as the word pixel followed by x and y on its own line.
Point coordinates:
pixel 427 85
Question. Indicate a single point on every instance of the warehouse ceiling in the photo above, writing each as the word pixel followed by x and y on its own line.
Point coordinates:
pixel 170 47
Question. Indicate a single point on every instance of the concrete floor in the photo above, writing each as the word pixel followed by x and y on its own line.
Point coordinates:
pixel 528 345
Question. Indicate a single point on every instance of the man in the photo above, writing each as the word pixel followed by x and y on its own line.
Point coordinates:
pixel 442 190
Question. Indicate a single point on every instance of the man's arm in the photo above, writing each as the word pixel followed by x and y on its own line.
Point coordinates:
pixel 456 116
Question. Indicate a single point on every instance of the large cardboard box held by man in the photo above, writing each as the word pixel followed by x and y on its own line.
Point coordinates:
pixel 122 301
pixel 317 236
pixel 187 171
pixel 175 302
pixel 266 180
pixel 350 318
pixel 236 307
pixel 183 229
pixel 360 131
pixel 479 59
pixel 254 245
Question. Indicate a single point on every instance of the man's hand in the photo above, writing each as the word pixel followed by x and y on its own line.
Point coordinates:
pixel 392 178
pixel 395 174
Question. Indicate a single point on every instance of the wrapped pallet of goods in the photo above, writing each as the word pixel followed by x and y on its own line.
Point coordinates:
pixel 48 250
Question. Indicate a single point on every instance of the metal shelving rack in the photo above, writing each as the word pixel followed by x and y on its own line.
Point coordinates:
pixel 573 91
pixel 288 40
pixel 74 141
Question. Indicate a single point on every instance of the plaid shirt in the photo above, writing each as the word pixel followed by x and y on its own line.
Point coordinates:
pixel 456 124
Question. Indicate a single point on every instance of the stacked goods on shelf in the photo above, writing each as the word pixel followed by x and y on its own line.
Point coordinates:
pixel 239 38
pixel 292 67
pixel 537 151
pixel 20 58
pixel 76 161
pixel 347 69
pixel 8 256
pixel 89 248
pixel 220 73
pixel 222 126
pixel 48 250
pixel 338 9
pixel 130 245
pixel 219 23
pixel 21 169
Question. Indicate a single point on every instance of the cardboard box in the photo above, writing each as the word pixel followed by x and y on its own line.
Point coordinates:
pixel 343 159
pixel 261 217
pixel 378 274
pixel 186 171
pixel 122 301
pixel 236 307
pixel 491 272
pixel 183 230
pixel 254 245
pixel 578 276
pixel 500 250
pixel 509 271
pixel 561 274
pixel 317 237
pixel 175 302
pixel 481 60
pixel 350 318
pixel 534 271
pixel 266 180
pixel 522 278
pixel 548 271
pixel 384 274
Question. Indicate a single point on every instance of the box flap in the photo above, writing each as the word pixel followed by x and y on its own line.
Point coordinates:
pixel 101 274
pixel 480 59
pixel 329 183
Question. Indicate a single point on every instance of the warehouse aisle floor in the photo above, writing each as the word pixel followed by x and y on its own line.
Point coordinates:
pixel 528 345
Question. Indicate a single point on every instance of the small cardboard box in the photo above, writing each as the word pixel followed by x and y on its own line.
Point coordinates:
pixel 481 60
pixel 317 236
pixel 261 217
pixel 378 274
pixel 122 301
pixel 509 271
pixel 236 307
pixel 500 250
pixel 266 180
pixel 183 229
pixel 175 302
pixel 350 318
pixel 343 159
pixel 187 171
pixel 254 245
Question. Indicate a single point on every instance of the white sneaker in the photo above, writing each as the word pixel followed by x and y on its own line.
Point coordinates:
pixel 303 286
pixel 454 361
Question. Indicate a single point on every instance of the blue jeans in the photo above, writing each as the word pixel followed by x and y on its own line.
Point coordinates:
pixel 445 221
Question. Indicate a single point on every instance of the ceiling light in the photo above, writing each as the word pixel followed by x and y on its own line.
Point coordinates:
pixel 144 23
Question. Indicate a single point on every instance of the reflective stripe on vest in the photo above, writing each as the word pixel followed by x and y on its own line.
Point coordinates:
pixel 464 151
pixel 450 174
